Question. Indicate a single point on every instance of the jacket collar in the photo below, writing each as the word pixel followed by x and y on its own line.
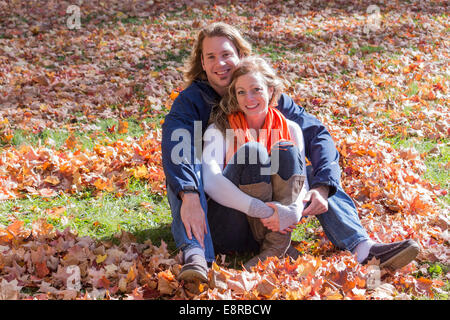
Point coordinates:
pixel 205 87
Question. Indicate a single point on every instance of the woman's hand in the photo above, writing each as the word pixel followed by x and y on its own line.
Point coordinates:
pixel 272 222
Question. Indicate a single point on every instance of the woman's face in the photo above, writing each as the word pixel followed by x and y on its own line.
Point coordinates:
pixel 253 95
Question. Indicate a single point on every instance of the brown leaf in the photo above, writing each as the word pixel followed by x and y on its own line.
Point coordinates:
pixel 41 269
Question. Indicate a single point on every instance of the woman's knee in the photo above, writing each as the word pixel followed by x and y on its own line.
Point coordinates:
pixel 286 159
pixel 252 162
pixel 252 153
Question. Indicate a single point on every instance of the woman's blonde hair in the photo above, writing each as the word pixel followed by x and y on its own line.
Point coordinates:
pixel 229 104
pixel 193 66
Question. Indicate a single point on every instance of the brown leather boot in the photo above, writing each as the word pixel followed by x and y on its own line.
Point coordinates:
pixel 286 192
pixel 273 244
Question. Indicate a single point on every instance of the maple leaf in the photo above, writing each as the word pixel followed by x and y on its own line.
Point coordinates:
pixel 71 142
pixel 266 287
pixel 53 180
pixel 41 269
pixel 167 283
pixel 40 228
pixel 17 230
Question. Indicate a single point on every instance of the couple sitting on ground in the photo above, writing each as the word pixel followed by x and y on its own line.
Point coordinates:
pixel 250 187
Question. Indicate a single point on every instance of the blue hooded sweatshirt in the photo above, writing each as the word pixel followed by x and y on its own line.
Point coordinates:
pixel 184 125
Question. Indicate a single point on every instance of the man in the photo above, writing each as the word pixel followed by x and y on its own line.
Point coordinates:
pixel 217 51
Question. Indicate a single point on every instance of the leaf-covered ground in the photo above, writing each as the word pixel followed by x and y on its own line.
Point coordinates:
pixel 81 109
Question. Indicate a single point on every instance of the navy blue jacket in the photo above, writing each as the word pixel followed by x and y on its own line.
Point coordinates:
pixel 180 142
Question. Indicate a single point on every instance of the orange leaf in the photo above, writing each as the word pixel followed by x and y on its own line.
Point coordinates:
pixel 40 227
pixel 17 230
pixel 71 142
pixel 123 127
pixel 131 274
pixel 174 94
pixel 104 185
pixel 52 180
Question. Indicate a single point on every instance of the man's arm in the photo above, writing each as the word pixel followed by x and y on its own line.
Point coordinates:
pixel 177 146
pixel 319 146
pixel 181 168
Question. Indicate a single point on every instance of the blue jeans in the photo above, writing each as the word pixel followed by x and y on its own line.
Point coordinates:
pixel 179 232
pixel 340 223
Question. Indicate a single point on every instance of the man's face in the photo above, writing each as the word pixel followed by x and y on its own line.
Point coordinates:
pixel 219 59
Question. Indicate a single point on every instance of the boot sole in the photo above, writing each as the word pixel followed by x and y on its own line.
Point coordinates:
pixel 402 258
pixel 192 275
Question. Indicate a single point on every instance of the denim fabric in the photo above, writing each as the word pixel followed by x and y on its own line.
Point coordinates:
pixel 179 232
pixel 251 164
pixel 341 222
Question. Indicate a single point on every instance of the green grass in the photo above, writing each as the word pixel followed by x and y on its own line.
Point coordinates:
pixel 413 89
pixel 365 50
pixel 275 53
pixel 434 161
pixel 105 129
pixel 101 217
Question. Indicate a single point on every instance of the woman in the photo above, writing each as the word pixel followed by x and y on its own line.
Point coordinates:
pixel 253 166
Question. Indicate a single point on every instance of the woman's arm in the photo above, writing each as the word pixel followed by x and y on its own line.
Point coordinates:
pixel 217 186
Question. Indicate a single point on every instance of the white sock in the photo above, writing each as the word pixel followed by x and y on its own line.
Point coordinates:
pixel 191 251
pixel 362 250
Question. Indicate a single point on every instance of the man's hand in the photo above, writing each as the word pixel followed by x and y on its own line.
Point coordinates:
pixel 319 201
pixel 193 216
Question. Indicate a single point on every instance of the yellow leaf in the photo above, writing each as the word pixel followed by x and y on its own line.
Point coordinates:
pixel 140 172
pixel 101 258
pixel 131 274
pixel 52 180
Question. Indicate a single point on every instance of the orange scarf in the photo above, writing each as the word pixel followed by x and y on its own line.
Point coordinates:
pixel 274 129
